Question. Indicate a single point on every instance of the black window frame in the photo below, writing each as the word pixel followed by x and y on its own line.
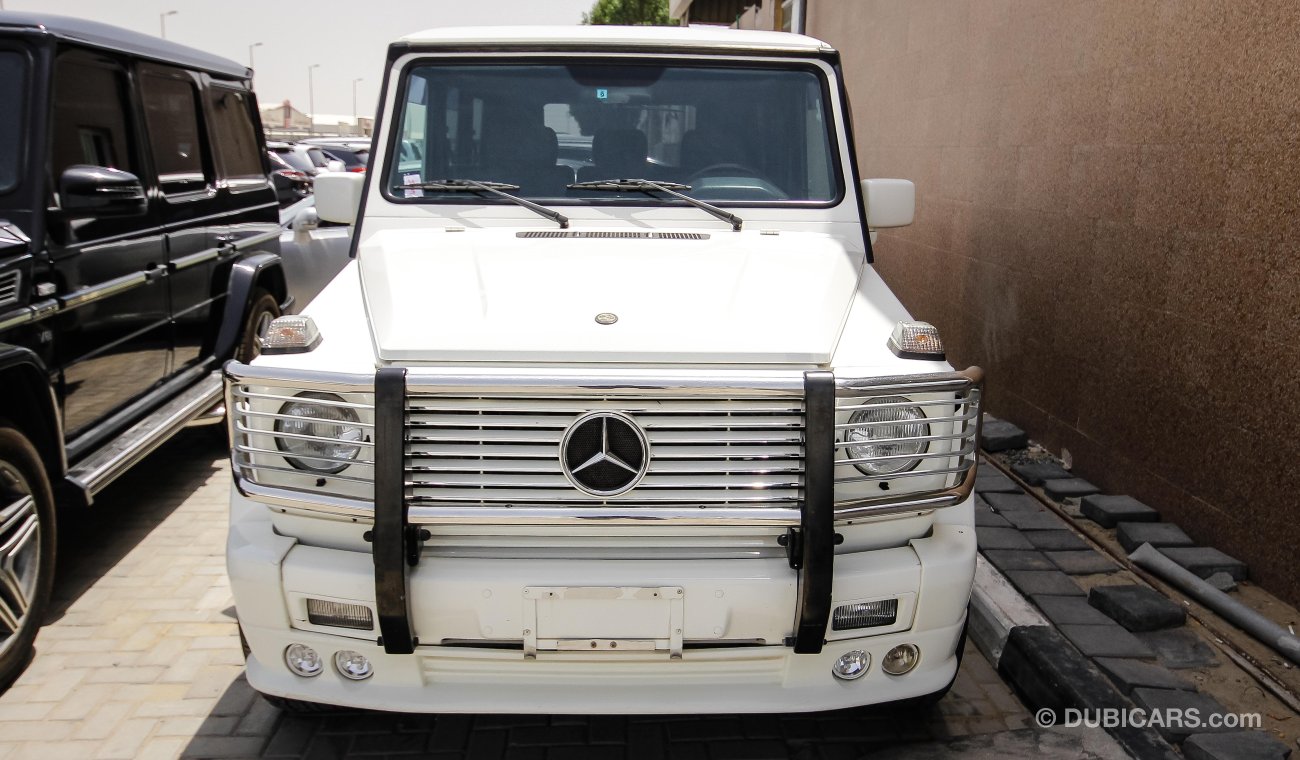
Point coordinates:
pixel 23 113
pixel 148 70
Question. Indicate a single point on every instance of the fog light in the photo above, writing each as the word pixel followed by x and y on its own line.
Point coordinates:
pixel 865 615
pixel 339 614
pixel 353 665
pixel 851 665
pixel 303 660
pixel 901 659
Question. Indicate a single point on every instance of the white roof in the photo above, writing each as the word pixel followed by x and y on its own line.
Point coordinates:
pixel 630 36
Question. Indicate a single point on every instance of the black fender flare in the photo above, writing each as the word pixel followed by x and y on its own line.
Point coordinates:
pixel 245 275
pixel 30 403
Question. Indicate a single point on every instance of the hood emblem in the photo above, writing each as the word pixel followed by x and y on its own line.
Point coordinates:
pixel 604 453
pixel 606 318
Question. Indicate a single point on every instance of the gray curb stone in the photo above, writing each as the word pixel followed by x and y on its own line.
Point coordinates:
pixel 1240 745
pixel 1159 535
pixel 1137 608
pixel 1109 511
pixel 1107 641
pixel 1166 701
pixel 1034 473
pixel 1132 674
pixel 1069 488
pixel 1205 561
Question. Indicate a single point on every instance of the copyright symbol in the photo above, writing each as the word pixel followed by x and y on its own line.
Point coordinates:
pixel 1045 718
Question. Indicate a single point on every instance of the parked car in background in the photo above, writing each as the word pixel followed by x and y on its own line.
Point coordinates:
pixel 291 184
pixel 354 157
pixel 309 159
pixel 138 252
pixel 313 251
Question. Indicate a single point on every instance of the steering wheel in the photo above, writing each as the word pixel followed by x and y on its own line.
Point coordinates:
pixel 739 170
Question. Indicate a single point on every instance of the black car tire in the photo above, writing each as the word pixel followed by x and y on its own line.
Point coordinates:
pixel 25 581
pixel 261 310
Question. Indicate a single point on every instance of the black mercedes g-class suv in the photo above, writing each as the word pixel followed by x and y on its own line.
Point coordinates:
pixel 138 251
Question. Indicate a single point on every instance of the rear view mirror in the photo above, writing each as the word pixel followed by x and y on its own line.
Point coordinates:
pixel 889 202
pixel 338 196
pixel 100 191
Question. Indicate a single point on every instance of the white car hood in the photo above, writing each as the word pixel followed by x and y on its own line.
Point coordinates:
pixel 492 295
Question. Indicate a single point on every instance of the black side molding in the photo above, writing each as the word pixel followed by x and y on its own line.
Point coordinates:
pixel 389 536
pixel 816 542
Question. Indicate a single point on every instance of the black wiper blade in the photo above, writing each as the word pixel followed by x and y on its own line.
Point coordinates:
pixel 624 184
pixel 664 187
pixel 495 188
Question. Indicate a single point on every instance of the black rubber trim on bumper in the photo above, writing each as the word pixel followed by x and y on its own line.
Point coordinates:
pixel 389 536
pixel 817 522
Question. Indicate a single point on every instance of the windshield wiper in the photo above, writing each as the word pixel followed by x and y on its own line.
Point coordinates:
pixel 496 188
pixel 646 185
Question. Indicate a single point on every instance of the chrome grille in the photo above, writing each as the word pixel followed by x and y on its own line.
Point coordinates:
pixel 505 450
pixel 9 285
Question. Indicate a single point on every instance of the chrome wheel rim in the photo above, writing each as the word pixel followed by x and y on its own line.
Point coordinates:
pixel 20 553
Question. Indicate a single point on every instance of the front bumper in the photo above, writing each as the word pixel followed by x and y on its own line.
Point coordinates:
pixel 725 599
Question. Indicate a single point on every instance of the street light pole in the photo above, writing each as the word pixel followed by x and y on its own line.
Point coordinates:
pixel 162 22
pixel 355 120
pixel 311 99
pixel 250 53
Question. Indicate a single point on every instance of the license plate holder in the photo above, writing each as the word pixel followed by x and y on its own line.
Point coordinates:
pixel 603 619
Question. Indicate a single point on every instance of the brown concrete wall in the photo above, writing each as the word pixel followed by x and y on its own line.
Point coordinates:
pixel 1108 221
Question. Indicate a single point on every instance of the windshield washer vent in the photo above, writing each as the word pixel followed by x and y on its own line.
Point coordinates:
pixel 623 235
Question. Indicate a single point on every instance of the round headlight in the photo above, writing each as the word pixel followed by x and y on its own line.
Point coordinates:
pixel 318 432
pixel 879 434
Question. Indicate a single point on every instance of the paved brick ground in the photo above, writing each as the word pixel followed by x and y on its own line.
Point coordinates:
pixel 140 659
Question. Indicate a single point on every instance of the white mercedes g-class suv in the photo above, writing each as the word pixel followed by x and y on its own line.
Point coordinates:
pixel 610 412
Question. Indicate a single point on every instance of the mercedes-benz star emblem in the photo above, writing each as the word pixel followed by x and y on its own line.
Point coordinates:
pixel 604 453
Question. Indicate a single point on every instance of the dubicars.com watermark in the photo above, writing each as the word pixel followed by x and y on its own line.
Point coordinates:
pixel 1120 717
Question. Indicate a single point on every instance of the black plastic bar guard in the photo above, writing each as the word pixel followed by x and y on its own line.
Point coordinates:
pixel 817 522
pixel 390 534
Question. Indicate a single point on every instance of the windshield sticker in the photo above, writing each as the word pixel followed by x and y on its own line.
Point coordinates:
pixel 412 178
pixel 602 93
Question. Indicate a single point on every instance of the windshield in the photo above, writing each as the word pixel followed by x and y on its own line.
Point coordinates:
pixel 751 135
pixel 295 159
pixel 13 93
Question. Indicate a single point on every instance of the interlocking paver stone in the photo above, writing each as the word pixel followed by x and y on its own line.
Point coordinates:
pixel 1168 700
pixel 1108 511
pixel 1070 610
pixel 1106 641
pixel 1056 540
pixel 987 518
pixel 1027 520
pixel 1238 745
pixel 1011 559
pixel 1082 562
pixel 1001 538
pixel 1179 648
pixel 1222 581
pixel 990 480
pixel 1137 608
pixel 1049 582
pixel 1068 488
pixel 1034 473
pixel 1000 435
pixel 1007 502
pixel 1128 675
pixel 1159 535
pixel 1206 561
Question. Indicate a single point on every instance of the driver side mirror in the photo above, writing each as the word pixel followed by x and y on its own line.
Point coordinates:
pixel 86 190
pixel 888 202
